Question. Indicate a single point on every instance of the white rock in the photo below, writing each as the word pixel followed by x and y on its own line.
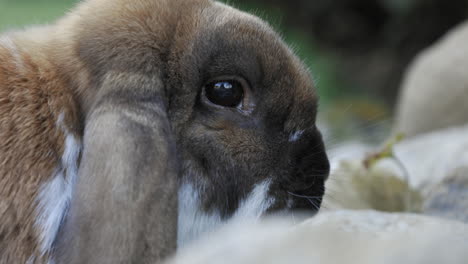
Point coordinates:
pixel 427 161
pixel 434 93
pixel 353 150
pixel 431 157
pixel 449 199
pixel 335 237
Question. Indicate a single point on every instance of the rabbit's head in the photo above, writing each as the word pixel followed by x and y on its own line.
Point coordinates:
pixel 241 107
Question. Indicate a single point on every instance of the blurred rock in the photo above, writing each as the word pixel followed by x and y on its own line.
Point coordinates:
pixel 359 237
pixel 434 94
pixel 352 150
pixel 449 199
pixel 353 186
pixel 428 174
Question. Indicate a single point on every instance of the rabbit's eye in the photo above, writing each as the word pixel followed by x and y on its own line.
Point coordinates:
pixel 225 93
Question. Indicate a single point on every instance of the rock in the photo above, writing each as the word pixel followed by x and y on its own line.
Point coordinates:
pixel 435 89
pixel 432 157
pixel 449 198
pixel 429 175
pixel 359 237
pixel 354 150
pixel 357 187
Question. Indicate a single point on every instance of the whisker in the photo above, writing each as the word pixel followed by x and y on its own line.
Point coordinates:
pixel 313 204
pixel 304 196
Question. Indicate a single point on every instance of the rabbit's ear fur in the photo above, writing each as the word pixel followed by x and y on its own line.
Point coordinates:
pixel 128 172
pixel 127 178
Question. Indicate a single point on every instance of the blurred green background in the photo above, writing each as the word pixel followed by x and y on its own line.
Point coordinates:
pixel 18 13
pixel 357 50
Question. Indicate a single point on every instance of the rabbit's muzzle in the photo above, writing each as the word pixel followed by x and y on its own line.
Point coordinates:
pixel 310 168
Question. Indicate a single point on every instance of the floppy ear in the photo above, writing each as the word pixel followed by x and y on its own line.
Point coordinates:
pixel 124 206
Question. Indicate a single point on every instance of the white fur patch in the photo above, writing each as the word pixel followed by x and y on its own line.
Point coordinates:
pixel 296 136
pixel 54 196
pixel 256 203
pixel 193 222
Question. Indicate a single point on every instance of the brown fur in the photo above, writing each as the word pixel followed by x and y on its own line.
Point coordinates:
pixel 125 75
pixel 32 96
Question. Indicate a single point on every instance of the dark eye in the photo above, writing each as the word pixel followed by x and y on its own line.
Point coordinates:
pixel 225 93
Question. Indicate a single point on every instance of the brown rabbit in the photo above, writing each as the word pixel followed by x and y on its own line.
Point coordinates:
pixel 127 117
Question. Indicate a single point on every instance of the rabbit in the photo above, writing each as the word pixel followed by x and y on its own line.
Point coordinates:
pixel 130 128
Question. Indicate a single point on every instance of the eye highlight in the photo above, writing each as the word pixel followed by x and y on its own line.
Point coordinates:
pixel 229 93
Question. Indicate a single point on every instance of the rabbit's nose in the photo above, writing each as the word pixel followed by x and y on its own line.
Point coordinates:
pixel 314 163
pixel 309 156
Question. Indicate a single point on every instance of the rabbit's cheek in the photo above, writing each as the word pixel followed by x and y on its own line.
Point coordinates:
pixel 194 221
